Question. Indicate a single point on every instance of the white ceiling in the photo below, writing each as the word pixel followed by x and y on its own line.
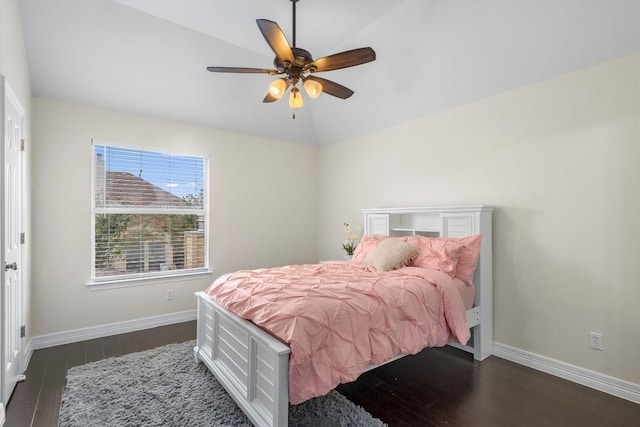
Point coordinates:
pixel 150 56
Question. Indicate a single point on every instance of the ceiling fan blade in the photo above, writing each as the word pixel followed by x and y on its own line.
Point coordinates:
pixel 242 70
pixel 332 88
pixel 276 39
pixel 345 59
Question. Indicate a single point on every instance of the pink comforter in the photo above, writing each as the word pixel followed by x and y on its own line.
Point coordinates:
pixel 338 318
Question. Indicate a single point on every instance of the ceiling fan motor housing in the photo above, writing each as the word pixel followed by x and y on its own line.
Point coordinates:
pixel 301 58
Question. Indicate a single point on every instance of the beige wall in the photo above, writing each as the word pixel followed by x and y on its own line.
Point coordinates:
pixel 263 210
pixel 14 68
pixel 560 162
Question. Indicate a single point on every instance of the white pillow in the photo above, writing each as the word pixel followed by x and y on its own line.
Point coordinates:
pixel 391 254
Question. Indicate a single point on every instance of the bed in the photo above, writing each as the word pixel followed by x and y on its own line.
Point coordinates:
pixel 259 371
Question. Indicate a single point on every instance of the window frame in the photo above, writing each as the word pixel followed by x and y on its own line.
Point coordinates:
pixel 147 278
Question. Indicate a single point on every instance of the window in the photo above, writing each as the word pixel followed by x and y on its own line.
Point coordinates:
pixel 150 214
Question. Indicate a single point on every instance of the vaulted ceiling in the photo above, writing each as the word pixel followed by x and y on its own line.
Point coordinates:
pixel 149 57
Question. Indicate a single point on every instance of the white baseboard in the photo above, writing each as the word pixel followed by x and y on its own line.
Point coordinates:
pixel 82 334
pixel 605 383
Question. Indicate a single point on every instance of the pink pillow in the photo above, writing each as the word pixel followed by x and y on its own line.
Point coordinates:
pixel 366 245
pixel 437 253
pixel 468 257
pixel 456 256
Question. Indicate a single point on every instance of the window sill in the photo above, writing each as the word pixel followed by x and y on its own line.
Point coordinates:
pixel 150 280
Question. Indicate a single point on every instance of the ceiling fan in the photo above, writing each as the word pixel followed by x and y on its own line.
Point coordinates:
pixel 297 65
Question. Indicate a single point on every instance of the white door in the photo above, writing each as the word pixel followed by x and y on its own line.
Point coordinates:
pixel 13 117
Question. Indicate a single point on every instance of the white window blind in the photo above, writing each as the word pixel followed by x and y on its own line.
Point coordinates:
pixel 150 214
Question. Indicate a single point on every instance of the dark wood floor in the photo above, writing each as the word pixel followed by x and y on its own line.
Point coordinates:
pixel 445 386
pixel 437 387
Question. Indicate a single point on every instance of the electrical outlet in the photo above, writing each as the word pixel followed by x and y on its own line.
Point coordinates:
pixel 597 341
pixel 169 294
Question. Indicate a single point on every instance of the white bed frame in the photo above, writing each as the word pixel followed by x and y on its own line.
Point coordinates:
pixel 253 366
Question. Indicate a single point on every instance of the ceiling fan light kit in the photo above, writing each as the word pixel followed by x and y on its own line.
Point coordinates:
pixel 297 65
pixel 313 88
pixel 278 88
pixel 295 99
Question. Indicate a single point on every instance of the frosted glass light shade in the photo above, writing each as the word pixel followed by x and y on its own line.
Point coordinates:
pixel 295 99
pixel 277 88
pixel 313 88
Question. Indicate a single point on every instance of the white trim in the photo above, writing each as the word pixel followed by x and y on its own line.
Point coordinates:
pixel 1 414
pixel 126 282
pixel 91 332
pixel 605 383
pixel 10 94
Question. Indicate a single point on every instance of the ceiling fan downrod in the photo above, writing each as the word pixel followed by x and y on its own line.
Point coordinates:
pixel 294 21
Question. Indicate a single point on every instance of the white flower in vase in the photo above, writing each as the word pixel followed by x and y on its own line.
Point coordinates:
pixel 350 239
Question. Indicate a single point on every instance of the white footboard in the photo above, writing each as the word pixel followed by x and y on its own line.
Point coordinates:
pixel 251 364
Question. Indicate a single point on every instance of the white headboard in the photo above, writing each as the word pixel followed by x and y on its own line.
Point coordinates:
pixel 456 221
